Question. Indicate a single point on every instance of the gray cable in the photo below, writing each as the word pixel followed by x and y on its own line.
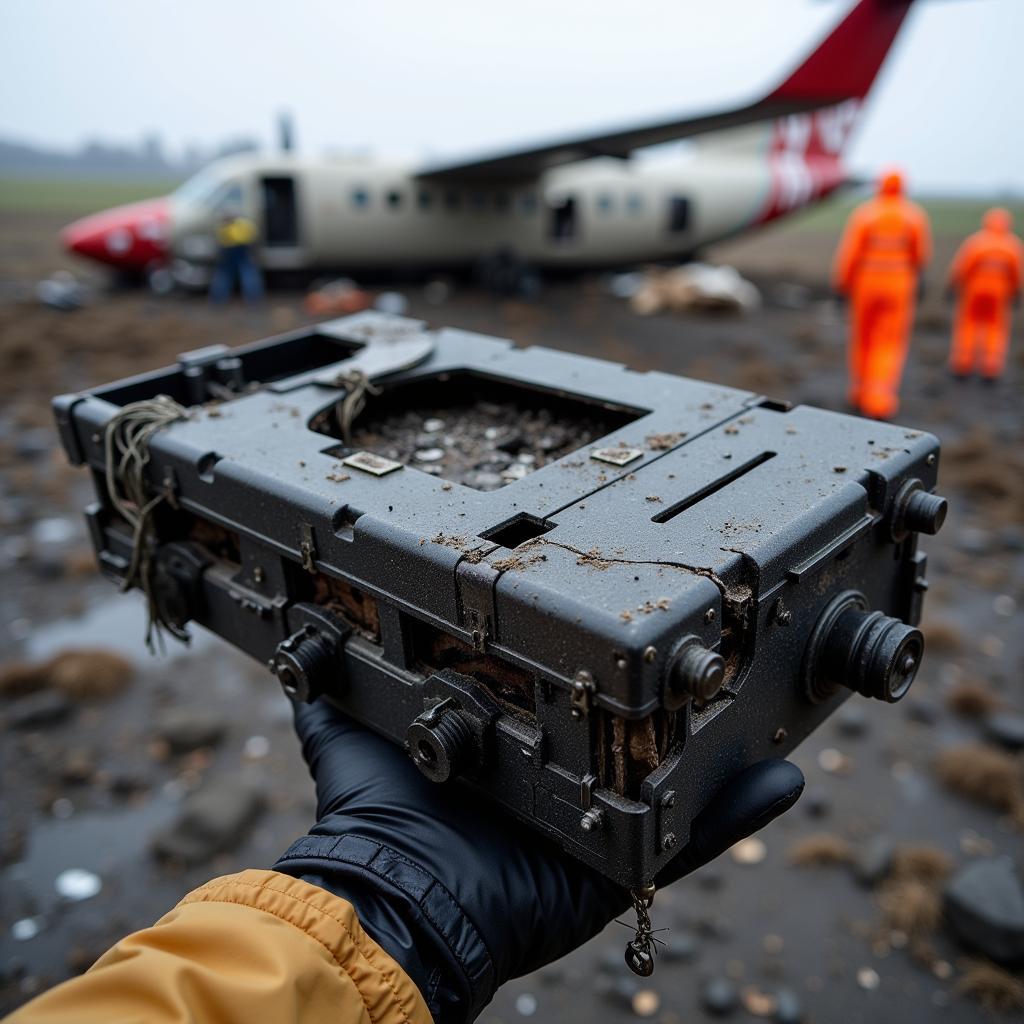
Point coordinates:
pixel 126 442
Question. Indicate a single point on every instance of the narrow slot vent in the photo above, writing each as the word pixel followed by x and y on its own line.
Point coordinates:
pixel 713 488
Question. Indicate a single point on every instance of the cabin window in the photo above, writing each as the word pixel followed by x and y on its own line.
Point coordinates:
pixel 678 214
pixel 563 219
pixel 452 200
pixel 528 203
pixel 394 199
pixel 635 202
pixel 605 204
pixel 360 198
pixel 424 199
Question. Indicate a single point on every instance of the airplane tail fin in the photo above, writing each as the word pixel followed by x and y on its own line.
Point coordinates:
pixel 846 62
pixel 818 105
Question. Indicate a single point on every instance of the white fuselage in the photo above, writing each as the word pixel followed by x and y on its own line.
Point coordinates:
pixel 350 214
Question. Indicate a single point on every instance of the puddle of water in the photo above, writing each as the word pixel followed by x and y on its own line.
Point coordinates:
pixel 99 841
pixel 118 624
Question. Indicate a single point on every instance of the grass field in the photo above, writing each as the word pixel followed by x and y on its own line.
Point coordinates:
pixel 959 216
pixel 75 196
pixel 948 216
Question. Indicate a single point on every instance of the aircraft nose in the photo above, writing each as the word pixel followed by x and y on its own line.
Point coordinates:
pixel 132 237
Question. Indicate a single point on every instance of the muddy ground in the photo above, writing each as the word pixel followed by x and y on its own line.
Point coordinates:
pixel 93 780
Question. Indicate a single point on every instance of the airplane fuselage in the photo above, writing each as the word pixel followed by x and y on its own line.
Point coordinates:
pixel 355 215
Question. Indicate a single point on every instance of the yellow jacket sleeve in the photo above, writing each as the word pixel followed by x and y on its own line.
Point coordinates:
pixel 255 946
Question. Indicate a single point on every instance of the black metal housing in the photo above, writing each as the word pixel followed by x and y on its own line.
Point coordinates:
pixel 598 647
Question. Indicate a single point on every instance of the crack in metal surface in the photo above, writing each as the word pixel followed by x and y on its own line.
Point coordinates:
pixel 595 558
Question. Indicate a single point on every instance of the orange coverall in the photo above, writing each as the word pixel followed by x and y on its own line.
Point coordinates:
pixel 886 243
pixel 986 273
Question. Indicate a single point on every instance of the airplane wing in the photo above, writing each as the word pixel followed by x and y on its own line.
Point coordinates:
pixel 841 68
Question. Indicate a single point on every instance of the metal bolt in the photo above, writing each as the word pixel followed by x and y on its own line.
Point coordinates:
pixel 668 841
pixel 669 798
pixel 258 574
pixel 650 653
pixel 709 615
pixel 592 820
pixel 931 459
pixel 783 616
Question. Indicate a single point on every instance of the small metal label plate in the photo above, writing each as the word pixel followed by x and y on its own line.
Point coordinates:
pixel 616 456
pixel 370 463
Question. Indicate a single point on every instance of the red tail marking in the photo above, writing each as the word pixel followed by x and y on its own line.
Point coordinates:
pixel 846 63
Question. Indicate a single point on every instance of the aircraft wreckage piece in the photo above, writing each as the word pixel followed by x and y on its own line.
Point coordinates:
pixel 692 582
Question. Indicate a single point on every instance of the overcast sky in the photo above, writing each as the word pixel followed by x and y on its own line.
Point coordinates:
pixel 404 77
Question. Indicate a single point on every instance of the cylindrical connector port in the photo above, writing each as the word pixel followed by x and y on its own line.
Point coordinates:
pixel 870 652
pixel 917 511
pixel 696 672
pixel 924 512
pixel 302 663
pixel 440 743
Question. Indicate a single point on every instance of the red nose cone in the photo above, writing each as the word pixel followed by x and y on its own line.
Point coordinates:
pixel 132 237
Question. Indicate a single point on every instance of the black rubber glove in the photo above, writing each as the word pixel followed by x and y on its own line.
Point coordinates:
pixel 458 893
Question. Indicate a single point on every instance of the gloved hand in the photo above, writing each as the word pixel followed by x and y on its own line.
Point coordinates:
pixel 458 893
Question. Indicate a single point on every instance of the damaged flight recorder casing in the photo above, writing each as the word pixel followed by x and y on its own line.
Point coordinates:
pixel 598 645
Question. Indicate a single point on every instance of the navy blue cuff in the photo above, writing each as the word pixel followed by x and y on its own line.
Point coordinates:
pixel 409 913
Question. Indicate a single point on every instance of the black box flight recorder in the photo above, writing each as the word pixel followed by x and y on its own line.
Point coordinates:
pixel 593 595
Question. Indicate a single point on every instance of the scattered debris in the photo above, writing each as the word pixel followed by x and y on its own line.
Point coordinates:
pixel 77 884
pixel 873 860
pixel 336 298
pixel 868 979
pixel 984 904
pixel 212 820
pixel 911 907
pixel 852 720
pixel 526 1004
pixel 834 762
pixel 972 699
pixel 985 775
pixel 186 729
pixel 994 989
pixel 38 711
pixel 62 291
pixel 394 303
pixel 645 1002
pixel 917 862
pixel 757 1002
pixel 1006 728
pixel 256 748
pixel 694 286
pixel 823 849
pixel 719 996
pixel 80 673
pixel 788 1009
pixel 751 850
pixel 27 928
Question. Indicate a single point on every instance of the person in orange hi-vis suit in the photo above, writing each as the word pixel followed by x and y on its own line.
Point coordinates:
pixel 986 275
pixel 886 244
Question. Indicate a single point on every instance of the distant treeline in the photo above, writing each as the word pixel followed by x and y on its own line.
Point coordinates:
pixel 105 160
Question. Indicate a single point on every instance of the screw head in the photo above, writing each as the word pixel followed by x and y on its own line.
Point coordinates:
pixel 669 798
pixel 668 841
pixel 650 653
pixel 709 615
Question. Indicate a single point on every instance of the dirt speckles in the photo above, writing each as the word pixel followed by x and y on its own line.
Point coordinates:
pixel 663 442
